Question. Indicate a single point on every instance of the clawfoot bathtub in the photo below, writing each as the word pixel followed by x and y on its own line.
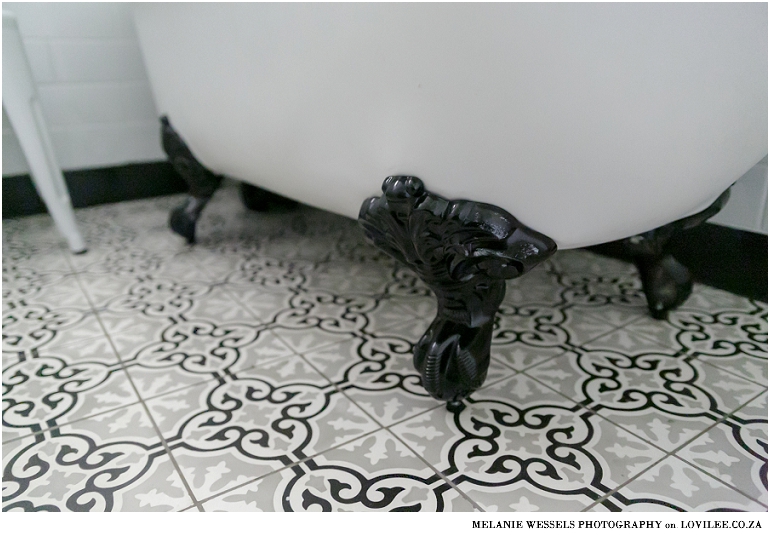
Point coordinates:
pixel 564 125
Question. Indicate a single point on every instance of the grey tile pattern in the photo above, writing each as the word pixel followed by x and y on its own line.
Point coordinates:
pixel 268 368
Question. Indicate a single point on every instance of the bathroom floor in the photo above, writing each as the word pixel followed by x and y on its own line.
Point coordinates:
pixel 269 368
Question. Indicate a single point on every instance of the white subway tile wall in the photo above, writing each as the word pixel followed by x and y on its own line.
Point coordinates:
pixel 92 84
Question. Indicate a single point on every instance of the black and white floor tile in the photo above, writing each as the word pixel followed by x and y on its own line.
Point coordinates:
pixel 268 368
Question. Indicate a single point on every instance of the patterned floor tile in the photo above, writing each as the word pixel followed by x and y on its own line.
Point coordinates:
pixel 665 431
pixel 612 382
pixel 32 254
pixel 381 271
pixel 49 390
pixel 347 284
pixel 518 435
pixel 49 289
pixel 733 454
pixel 308 340
pixel 606 294
pixel 374 473
pixel 543 326
pixel 419 307
pixel 626 340
pixel 129 332
pixel 109 463
pixel 272 353
pixel 735 451
pixel 264 304
pixel 748 367
pixel 226 432
pixel 377 374
pixel 713 333
pixel 756 409
pixel 218 306
pixel 195 351
pixel 727 391
pixel 520 357
pixel 539 286
pixel 522 497
pixel 674 485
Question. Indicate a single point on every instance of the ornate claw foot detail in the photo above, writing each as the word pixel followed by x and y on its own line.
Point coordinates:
pixel 666 283
pixel 464 251
pixel 203 183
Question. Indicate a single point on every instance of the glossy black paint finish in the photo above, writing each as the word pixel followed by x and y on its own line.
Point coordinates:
pixel 91 187
pixel 666 282
pixel 464 251
pixel 202 182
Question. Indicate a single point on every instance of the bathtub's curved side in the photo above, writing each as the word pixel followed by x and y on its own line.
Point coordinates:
pixel 588 122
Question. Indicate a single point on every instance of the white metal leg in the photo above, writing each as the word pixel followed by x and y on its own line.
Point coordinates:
pixel 22 106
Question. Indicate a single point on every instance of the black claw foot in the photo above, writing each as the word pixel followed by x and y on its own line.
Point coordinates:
pixel 202 182
pixel 464 251
pixel 666 283
pixel 455 407
pixel 184 217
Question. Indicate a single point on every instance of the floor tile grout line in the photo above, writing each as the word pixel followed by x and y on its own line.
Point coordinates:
pixel 396 437
pixel 222 283
pixel 133 386
pixel 389 429
pixel 288 466
pixel 699 357
pixel 343 392
pixel 673 454
pixel 144 405
pixel 432 467
pixel 651 338
pixel 589 409
pixel 648 442
pixel 667 454
pixel 517 371
pixel 341 445
pixel 211 378
pixel 162 439
pixel 526 372
pixel 724 419
pixel 71 422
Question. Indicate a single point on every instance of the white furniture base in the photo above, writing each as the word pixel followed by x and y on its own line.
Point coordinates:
pixel 22 106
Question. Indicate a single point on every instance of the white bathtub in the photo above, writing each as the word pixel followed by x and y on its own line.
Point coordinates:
pixel 588 122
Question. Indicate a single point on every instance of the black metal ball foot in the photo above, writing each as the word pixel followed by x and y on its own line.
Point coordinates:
pixel 203 183
pixel 455 407
pixel 181 223
pixel 667 284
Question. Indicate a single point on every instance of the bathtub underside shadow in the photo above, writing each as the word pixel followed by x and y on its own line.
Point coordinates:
pixel 463 250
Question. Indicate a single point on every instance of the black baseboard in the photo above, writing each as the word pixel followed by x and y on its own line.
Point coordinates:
pixel 730 259
pixel 95 186
pixel 721 257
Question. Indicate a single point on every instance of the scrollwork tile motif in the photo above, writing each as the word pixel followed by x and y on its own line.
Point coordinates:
pixel 275 378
